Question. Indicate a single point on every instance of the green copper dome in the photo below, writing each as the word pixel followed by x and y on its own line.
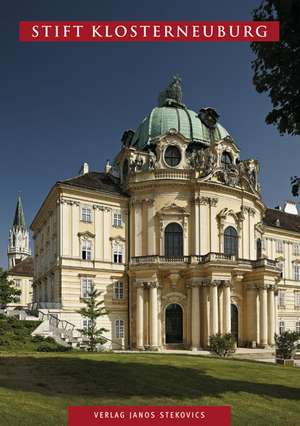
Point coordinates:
pixel 171 113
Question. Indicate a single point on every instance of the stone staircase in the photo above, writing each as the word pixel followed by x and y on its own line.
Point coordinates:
pixel 62 331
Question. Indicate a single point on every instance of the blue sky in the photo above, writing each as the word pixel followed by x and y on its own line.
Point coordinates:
pixel 63 104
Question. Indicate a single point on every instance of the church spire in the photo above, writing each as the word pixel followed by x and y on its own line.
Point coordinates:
pixel 18 244
pixel 19 219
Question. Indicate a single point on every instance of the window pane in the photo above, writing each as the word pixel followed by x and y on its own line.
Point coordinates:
pixel 173 240
pixel 226 160
pixel 172 156
pixel 119 329
pixel 230 241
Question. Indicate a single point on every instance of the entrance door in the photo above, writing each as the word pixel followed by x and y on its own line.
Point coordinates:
pixel 234 322
pixel 174 323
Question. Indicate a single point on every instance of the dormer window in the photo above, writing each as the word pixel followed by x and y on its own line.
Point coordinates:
pixel 226 160
pixel 172 156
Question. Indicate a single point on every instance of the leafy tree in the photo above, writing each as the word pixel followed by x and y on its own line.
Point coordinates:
pixel 8 294
pixel 92 311
pixel 277 64
pixel 286 344
pixel 222 344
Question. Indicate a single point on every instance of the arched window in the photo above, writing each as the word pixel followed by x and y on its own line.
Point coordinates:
pixel 230 241
pixel 173 240
pixel 226 160
pixel 258 249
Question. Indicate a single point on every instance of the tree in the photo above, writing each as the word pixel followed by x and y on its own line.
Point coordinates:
pixel 91 312
pixel 277 64
pixel 8 294
pixel 295 182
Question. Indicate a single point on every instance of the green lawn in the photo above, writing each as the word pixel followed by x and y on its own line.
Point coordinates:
pixel 35 389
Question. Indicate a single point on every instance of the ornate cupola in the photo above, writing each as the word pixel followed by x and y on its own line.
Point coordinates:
pixel 171 113
pixel 18 244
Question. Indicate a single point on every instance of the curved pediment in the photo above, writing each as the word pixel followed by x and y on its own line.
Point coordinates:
pixel 172 209
pixel 86 234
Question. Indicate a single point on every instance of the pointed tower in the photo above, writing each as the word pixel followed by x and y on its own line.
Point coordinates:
pixel 18 245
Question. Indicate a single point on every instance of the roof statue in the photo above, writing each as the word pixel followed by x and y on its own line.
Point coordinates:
pixel 172 93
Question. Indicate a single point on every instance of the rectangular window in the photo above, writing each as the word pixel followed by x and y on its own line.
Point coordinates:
pixel 86 324
pixel 281 327
pixel 281 298
pixel 86 214
pixel 298 327
pixel 86 287
pixel 119 329
pixel 280 265
pixel 118 253
pixel 297 299
pixel 117 219
pixel 86 249
pixel 296 272
pixel 17 283
pixel 296 249
pixel 279 246
pixel 118 290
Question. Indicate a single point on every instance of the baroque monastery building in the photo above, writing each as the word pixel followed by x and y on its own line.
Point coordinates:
pixel 176 237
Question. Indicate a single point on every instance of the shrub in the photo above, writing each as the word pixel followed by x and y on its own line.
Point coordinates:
pixel 222 344
pixel 50 340
pixel 286 344
pixel 37 339
pixel 50 347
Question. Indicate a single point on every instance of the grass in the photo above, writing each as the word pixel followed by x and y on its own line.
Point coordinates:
pixel 15 336
pixel 35 389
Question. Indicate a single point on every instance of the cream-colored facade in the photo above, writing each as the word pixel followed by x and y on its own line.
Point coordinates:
pixel 173 235
pixel 23 283
pixel 78 243
pixel 283 245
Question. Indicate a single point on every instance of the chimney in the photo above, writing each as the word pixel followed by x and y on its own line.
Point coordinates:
pixel 84 169
pixel 290 207
pixel 108 167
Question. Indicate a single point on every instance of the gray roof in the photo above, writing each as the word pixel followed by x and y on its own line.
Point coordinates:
pixel 23 268
pixel 96 181
pixel 281 220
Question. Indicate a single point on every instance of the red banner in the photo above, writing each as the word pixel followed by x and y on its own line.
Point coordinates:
pixel 130 31
pixel 148 416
